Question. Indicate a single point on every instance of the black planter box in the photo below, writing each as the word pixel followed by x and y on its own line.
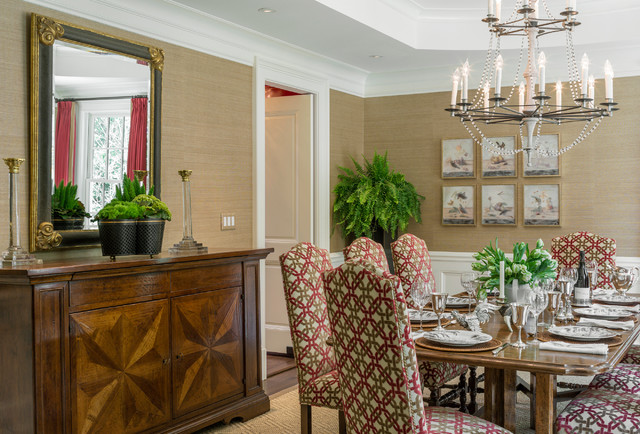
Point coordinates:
pixel 149 237
pixel 118 237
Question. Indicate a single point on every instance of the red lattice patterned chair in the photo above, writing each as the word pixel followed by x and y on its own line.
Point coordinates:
pixel 566 250
pixel 366 248
pixel 411 261
pixel 611 404
pixel 377 365
pixel 318 385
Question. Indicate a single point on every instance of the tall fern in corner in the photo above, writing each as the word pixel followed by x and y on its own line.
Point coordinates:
pixel 374 196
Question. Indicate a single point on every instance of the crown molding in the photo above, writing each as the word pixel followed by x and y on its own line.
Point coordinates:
pixel 207 34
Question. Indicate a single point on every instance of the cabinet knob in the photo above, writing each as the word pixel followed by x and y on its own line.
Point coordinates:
pixel 179 356
pixel 166 361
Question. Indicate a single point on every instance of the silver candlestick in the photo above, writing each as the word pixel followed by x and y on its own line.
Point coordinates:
pixel 188 246
pixel 15 254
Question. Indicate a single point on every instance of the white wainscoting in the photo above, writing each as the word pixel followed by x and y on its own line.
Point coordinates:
pixel 447 267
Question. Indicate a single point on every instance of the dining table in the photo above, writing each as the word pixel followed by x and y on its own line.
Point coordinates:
pixel 500 370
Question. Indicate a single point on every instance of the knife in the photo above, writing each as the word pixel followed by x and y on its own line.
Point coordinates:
pixel 500 348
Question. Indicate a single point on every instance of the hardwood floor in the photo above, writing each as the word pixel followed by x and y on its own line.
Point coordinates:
pixel 281 374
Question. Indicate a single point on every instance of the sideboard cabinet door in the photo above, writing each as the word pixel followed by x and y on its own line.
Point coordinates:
pixel 120 368
pixel 207 348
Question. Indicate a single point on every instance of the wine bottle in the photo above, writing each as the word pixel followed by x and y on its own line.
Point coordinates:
pixel 581 292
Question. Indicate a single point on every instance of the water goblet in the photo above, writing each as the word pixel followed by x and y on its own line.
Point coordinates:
pixel 566 289
pixel 420 295
pixel 538 300
pixel 468 282
pixel 519 313
pixel 592 272
pixel 554 304
pixel 438 304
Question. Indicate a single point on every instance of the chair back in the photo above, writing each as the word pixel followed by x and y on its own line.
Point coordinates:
pixel 302 269
pixel 411 261
pixel 566 250
pixel 377 365
pixel 367 249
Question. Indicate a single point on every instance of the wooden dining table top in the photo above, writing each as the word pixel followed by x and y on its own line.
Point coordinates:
pixel 531 358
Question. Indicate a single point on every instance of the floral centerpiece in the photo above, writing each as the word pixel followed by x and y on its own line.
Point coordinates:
pixel 527 266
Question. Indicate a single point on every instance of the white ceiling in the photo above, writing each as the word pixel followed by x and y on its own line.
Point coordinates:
pixel 421 41
pixel 409 34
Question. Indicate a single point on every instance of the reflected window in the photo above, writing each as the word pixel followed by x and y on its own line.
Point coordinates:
pixel 109 140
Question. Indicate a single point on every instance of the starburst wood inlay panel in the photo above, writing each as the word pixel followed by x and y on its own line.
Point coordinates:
pixel 207 347
pixel 120 366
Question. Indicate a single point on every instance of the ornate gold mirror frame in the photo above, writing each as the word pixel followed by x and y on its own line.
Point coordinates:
pixel 44 32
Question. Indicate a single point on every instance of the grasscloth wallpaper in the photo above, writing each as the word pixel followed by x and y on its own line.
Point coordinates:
pixel 207 127
pixel 599 184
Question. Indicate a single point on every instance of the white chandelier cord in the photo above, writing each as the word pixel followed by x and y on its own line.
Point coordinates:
pixel 535 107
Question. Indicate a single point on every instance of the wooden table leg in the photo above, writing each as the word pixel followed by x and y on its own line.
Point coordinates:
pixel 500 397
pixel 545 410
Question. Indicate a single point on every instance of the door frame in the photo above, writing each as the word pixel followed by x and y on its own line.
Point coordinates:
pixel 294 78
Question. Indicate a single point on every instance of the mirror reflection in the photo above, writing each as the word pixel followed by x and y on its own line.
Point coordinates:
pixel 101 126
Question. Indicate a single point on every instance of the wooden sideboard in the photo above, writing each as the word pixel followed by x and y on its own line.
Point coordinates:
pixel 169 344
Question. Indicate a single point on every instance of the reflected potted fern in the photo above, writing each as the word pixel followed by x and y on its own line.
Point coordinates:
pixel 67 212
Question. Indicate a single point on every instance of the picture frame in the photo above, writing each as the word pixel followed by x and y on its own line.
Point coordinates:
pixel 459 205
pixel 542 166
pixel 541 205
pixel 458 159
pixel 498 204
pixel 494 165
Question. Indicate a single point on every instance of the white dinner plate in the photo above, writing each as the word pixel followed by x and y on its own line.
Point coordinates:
pixel 460 301
pixel 581 333
pixel 427 315
pixel 602 312
pixel 617 299
pixel 457 338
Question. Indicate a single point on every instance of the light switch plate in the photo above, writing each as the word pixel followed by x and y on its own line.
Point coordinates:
pixel 227 221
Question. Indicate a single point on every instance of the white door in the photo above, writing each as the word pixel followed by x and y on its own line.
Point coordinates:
pixel 289 200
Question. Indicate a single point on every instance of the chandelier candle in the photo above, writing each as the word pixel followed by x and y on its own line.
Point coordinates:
pixel 531 109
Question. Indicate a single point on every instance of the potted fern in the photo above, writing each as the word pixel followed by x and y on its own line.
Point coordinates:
pixel 67 212
pixel 373 199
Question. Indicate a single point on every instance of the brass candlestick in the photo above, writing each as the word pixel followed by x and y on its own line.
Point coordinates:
pixel 15 255
pixel 188 246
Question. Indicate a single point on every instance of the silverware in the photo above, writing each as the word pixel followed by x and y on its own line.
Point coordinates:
pixel 500 348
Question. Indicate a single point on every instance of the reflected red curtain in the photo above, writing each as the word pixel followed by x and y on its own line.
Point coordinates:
pixel 65 142
pixel 137 156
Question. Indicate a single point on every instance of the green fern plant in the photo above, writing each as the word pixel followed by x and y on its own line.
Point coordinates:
pixel 374 196
pixel 130 189
pixel 65 203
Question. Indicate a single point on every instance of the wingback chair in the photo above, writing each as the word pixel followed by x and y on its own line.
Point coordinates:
pixel 377 364
pixel 318 385
pixel 566 250
pixel 366 248
pixel 411 261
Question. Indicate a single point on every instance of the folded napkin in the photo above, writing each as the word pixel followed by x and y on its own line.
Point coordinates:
pixel 620 325
pixel 601 349
pixel 602 291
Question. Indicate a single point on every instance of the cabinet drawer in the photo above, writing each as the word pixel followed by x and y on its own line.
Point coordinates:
pixel 208 277
pixel 117 288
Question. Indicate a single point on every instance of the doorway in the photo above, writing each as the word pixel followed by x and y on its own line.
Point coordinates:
pixel 299 80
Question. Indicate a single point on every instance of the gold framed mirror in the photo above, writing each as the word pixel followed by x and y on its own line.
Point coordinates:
pixel 69 65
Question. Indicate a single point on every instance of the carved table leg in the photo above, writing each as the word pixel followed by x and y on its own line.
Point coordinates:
pixel 473 389
pixel 462 387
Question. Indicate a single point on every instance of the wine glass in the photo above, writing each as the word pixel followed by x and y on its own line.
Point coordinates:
pixel 438 304
pixel 567 278
pixel 519 313
pixel 538 300
pixel 554 303
pixel 468 281
pixel 592 272
pixel 420 295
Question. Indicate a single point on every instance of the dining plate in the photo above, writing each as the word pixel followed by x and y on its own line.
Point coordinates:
pixel 427 315
pixel 581 333
pixel 602 312
pixel 457 338
pixel 460 301
pixel 617 299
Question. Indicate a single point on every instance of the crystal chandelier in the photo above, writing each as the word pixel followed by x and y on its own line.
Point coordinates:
pixel 530 20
